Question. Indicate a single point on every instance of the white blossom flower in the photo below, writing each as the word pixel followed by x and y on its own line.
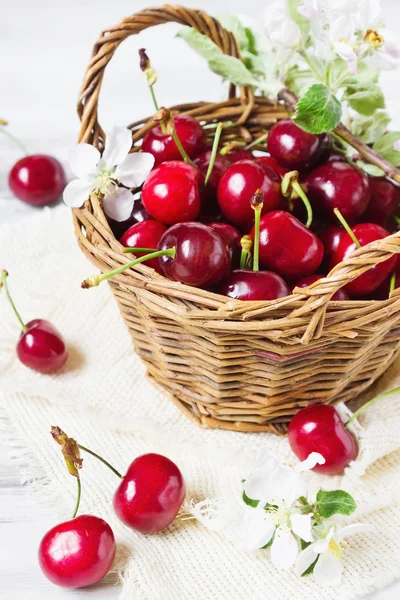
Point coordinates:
pixel 276 520
pixel 329 552
pixel 280 29
pixel 102 174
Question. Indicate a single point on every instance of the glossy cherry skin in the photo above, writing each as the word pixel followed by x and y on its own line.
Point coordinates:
pixel 319 428
pixel 209 192
pixel 150 494
pixel 231 237
pixel 202 257
pixel 287 247
pixel 237 186
pixel 37 180
pixel 385 199
pixel 144 235
pixel 42 347
pixel 269 161
pixel 171 193
pixel 338 185
pixel 306 281
pixel 369 281
pixel 253 285
pixel 239 154
pixel 77 553
pixel 330 239
pixel 292 147
pixel 138 214
pixel 162 146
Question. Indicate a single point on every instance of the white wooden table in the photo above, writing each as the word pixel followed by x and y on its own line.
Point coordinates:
pixel 44 52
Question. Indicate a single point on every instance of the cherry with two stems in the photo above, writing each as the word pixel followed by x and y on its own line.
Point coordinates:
pixel 80 552
pixel 319 428
pixel 41 346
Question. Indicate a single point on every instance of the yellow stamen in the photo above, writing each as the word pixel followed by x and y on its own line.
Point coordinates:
pixel 373 38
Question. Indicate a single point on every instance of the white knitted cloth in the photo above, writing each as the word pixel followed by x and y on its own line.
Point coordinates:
pixel 104 400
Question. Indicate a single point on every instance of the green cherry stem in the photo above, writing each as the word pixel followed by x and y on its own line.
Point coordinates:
pixel 231 146
pixel 151 76
pixel 181 149
pixel 257 204
pixel 346 226
pixel 3 283
pixel 95 280
pixel 392 283
pixel 246 243
pixel 78 497
pixel 101 459
pixel 257 141
pixel 163 115
pixel 214 151
pixel 290 188
pixel 370 403
pixel 299 190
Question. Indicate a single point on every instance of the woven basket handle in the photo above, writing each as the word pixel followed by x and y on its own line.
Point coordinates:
pixel 111 38
pixel 322 290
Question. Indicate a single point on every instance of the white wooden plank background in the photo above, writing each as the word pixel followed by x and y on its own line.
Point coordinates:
pixel 44 49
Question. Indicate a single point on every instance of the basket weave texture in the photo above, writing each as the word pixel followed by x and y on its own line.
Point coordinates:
pixel 245 366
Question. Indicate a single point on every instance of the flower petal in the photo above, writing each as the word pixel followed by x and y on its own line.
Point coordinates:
pixel 302 526
pixel 258 484
pixel 286 485
pixel 83 159
pixel 134 169
pixel 305 560
pixel 284 549
pixel 118 144
pixel 118 205
pixel 352 530
pixel 77 191
pixel 315 458
pixel 255 530
pixel 328 570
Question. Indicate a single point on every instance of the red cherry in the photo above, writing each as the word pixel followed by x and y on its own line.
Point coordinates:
pixel 268 161
pixel 239 154
pixel 238 185
pixel 369 281
pixel 330 238
pixel 231 237
pixel 77 553
pixel 171 192
pixel 338 185
pixel 294 148
pixel 201 257
pixel 253 285
pixel 151 494
pixel 162 146
pixel 42 347
pixel 144 235
pixel 319 428
pixel 306 281
pixel 138 214
pixel 287 247
pixel 37 180
pixel 385 198
pixel 221 164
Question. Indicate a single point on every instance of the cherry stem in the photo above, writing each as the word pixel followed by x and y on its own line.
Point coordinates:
pixel 181 149
pixel 14 139
pixel 346 226
pixel 78 498
pixel 291 185
pixel 367 404
pixel 101 459
pixel 257 141
pixel 299 190
pixel 214 151
pixel 257 205
pixel 127 250
pixel 3 283
pixel 95 280
pixel 392 283
pixel 246 243
pixel 231 146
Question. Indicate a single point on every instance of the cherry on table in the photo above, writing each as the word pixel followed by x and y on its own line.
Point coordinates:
pixel 294 148
pixel 253 285
pixel 319 428
pixel 77 553
pixel 162 145
pixel 306 281
pixel 146 234
pixel 38 179
pixel 385 199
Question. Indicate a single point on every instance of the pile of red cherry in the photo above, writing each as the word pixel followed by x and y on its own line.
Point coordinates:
pixel 198 220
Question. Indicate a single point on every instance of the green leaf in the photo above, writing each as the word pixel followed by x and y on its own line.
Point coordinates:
pixel 293 13
pixel 233 69
pixel 366 101
pixel 270 541
pixel 337 502
pixel 318 110
pixel 370 169
pixel 366 74
pixel 251 41
pixel 310 568
pixel 370 129
pixel 233 24
pixel 249 501
pixel 199 42
pixel 254 63
pixel 303 544
pixel 384 147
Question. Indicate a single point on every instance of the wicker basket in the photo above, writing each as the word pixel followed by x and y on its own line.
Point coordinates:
pixel 245 366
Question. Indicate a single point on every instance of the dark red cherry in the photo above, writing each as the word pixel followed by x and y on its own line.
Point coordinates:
pixel 306 281
pixel 150 494
pixel 37 180
pixel 77 553
pixel 383 291
pixel 171 192
pixel 138 214
pixel 162 146
pixel 338 185
pixel 144 235
pixel 221 164
pixel 369 281
pixel 287 247
pixel 292 147
pixel 330 238
pixel 239 154
pixel 42 347
pixel 237 186
pixel 253 285
pixel 231 237
pixel 385 198
pixel 269 161
pixel 319 428
pixel 201 259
